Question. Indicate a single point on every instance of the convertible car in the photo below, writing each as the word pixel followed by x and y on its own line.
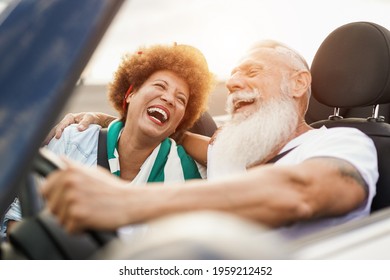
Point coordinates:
pixel 44 47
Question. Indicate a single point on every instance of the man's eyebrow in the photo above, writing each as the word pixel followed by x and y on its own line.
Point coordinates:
pixel 255 64
pixel 240 67
pixel 248 65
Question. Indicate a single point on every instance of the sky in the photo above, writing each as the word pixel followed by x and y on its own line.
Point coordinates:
pixel 224 29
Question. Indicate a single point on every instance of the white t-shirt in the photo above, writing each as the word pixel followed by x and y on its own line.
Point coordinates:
pixel 349 144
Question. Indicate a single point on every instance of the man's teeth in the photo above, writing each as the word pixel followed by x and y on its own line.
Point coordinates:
pixel 163 114
pixel 243 102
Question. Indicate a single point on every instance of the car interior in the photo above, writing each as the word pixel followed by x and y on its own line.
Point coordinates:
pixel 351 87
pixel 351 74
pixel 351 71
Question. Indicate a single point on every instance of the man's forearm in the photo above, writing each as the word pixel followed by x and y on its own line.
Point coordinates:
pixel 272 195
pixel 239 195
pixel 157 200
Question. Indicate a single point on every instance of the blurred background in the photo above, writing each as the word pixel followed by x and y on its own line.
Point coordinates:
pixel 221 29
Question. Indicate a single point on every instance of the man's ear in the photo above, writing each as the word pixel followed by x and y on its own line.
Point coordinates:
pixel 301 82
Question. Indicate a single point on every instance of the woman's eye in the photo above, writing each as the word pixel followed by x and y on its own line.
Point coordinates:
pixel 162 86
pixel 182 100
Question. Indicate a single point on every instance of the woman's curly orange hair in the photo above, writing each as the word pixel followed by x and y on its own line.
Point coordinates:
pixel 185 61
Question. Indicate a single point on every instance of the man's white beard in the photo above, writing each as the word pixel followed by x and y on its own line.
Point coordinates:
pixel 247 139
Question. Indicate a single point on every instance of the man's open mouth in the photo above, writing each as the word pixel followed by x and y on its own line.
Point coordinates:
pixel 243 102
pixel 159 114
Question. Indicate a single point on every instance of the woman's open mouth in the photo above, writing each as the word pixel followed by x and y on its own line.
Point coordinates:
pixel 158 114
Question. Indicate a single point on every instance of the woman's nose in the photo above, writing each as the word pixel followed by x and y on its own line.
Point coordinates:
pixel 168 97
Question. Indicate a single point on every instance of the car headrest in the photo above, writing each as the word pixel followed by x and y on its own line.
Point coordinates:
pixel 352 66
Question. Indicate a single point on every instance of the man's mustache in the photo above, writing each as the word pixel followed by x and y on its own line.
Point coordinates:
pixel 238 96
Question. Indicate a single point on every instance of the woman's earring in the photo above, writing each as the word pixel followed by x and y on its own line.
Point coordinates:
pixel 128 92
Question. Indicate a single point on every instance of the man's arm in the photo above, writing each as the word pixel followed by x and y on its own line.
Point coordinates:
pixel 196 145
pixel 84 119
pixel 273 195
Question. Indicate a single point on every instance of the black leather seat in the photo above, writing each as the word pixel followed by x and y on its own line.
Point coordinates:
pixel 205 125
pixel 351 73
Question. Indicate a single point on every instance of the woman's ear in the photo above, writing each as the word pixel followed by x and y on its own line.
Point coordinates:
pixel 301 82
pixel 128 98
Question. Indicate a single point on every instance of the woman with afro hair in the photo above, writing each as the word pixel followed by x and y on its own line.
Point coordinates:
pixel 157 91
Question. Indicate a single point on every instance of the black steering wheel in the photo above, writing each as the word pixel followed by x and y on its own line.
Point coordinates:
pixel 39 235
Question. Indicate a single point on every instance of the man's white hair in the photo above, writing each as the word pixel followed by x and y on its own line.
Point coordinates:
pixel 293 58
pixel 296 61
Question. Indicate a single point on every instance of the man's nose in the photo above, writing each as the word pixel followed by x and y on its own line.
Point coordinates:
pixel 235 83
